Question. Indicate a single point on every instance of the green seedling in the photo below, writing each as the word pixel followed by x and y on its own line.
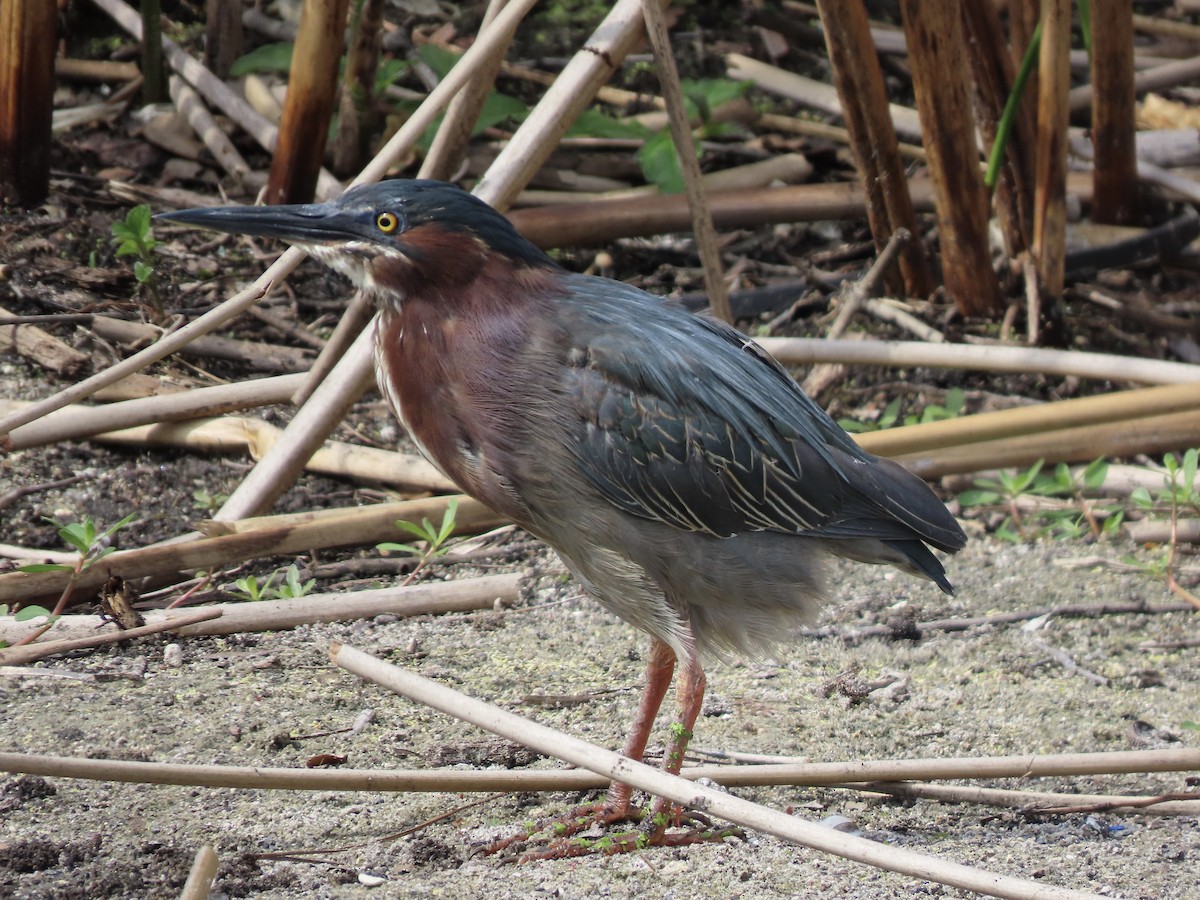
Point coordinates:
pixel 292 588
pixel 90 545
pixel 207 502
pixel 433 539
pixel 1180 494
pixel 249 589
pixel 1076 519
pixel 952 408
pixel 134 237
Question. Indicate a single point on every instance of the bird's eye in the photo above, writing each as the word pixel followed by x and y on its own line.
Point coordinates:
pixel 387 222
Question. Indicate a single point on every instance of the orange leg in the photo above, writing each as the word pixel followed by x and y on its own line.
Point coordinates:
pixel 659 670
pixel 689 697
pixel 617 806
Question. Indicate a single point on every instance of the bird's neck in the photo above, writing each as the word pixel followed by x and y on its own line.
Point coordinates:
pixel 455 367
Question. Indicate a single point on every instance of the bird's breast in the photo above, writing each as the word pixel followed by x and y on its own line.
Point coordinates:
pixel 461 389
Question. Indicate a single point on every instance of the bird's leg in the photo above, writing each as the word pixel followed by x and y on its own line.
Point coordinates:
pixel 618 805
pixel 689 696
pixel 659 671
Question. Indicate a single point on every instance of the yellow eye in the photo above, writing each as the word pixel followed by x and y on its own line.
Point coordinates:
pixel 387 222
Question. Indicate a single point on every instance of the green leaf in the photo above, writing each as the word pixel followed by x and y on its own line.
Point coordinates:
pixel 593 123
pixel 267 58
pixel 703 95
pixel 978 498
pixel 393 547
pixel 138 220
pixel 1141 498
pixel 113 529
pixel 448 521
pixel 1095 474
pixel 437 58
pixel 142 272
pixel 33 612
pixel 44 567
pixel 660 164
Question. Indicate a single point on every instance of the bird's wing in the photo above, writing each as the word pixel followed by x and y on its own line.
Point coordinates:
pixel 684 420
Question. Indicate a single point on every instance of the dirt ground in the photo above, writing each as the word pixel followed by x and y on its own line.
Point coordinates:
pixel 992 690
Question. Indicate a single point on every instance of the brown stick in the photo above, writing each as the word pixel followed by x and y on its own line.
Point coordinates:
pixel 1049 199
pixel 1151 434
pixel 685 152
pixel 469 781
pixel 860 86
pixel 1026 420
pixel 1113 127
pixel 941 81
pixel 27 42
pixel 601 221
pixel 994 73
pixel 312 89
pixel 375 524
pixel 16 656
pixel 40 346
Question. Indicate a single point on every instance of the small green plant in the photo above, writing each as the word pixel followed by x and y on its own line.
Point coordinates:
pixel 434 539
pixel 249 589
pixel 84 539
pixel 1076 519
pixel 90 544
pixel 658 159
pixel 1180 492
pixel 1179 495
pixel 952 408
pixel 207 502
pixel 134 237
pixel 292 588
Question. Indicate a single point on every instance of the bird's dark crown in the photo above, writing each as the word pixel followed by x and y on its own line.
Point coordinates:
pixel 423 202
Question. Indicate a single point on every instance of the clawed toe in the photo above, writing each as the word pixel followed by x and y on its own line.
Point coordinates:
pixel 590 830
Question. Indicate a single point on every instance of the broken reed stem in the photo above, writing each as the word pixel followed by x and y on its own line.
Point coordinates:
pixel 200 878
pixel 1037 802
pixel 980 357
pixel 27 653
pixel 462 595
pixel 741 812
pixel 81 421
pixel 685 152
pixel 872 138
pixel 1029 420
pixel 366 526
pixel 873 775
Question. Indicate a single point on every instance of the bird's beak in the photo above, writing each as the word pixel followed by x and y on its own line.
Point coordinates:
pixel 309 223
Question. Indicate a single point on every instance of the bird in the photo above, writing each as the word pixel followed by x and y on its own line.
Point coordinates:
pixel 679 471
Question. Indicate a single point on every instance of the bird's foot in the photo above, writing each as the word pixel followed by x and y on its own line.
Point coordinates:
pixel 589 830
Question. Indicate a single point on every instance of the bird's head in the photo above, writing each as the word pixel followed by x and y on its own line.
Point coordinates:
pixel 394 237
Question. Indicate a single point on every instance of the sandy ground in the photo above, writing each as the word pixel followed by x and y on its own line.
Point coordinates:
pixel 988 691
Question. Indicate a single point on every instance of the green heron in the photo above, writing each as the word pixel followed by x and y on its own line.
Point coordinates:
pixel 679 471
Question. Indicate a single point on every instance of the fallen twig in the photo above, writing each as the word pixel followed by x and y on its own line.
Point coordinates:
pixel 459 780
pixel 733 809
pixel 365 525
pixel 462 595
pixel 12 656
